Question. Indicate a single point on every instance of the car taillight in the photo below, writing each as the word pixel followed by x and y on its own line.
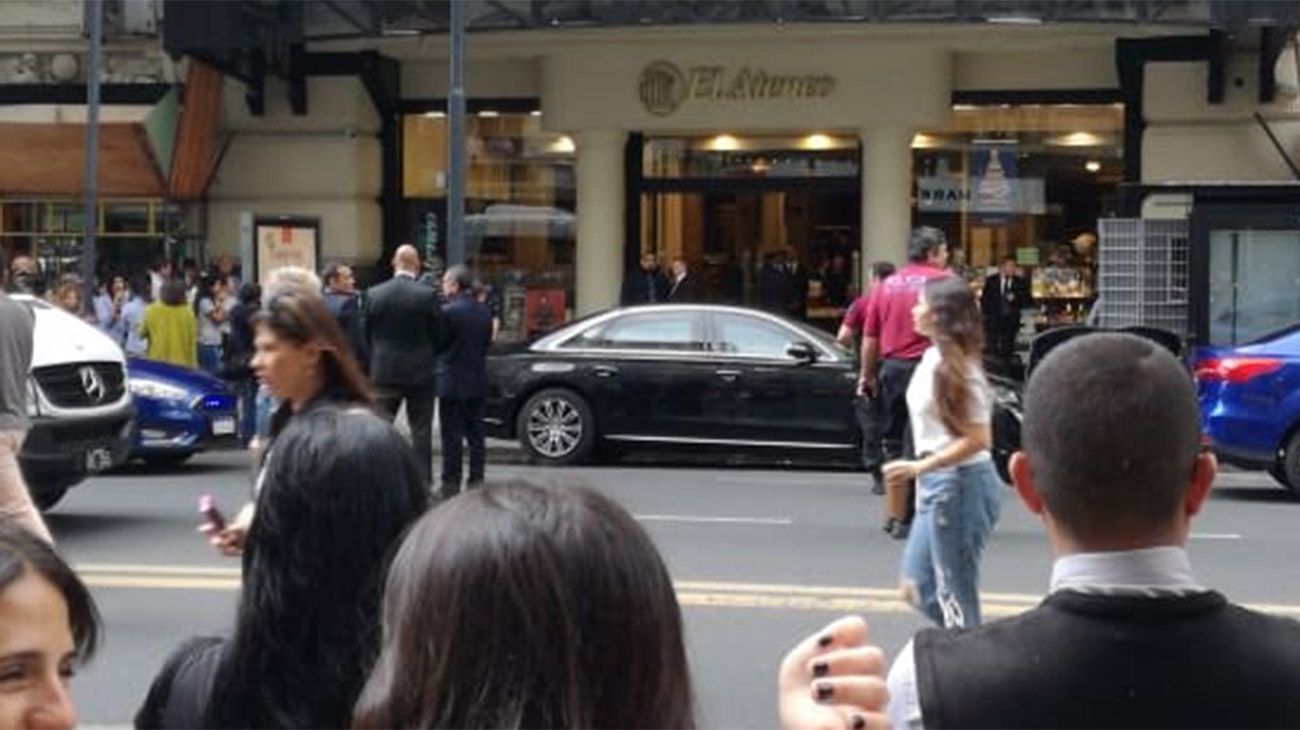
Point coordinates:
pixel 1236 369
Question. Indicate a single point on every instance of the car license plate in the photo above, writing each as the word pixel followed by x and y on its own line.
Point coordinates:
pixel 223 426
pixel 98 460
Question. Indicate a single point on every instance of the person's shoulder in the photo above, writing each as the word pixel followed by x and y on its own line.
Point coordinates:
pixel 1279 630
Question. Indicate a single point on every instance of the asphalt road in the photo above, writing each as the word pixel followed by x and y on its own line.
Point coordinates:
pixel 760 558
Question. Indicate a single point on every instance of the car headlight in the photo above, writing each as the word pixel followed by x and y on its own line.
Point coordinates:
pixel 33 399
pixel 156 389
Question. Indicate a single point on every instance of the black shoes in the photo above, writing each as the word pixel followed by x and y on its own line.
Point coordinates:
pixel 877 484
pixel 896 528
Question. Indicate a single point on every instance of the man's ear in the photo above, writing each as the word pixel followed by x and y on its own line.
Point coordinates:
pixel 1022 479
pixel 1203 473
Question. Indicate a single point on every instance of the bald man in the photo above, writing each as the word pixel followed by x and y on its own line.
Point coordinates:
pixel 403 326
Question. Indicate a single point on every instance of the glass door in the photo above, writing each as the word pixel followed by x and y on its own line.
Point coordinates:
pixel 1249 265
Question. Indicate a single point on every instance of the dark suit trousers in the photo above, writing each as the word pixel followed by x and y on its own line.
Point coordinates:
pixel 867 412
pixel 462 422
pixel 419 414
pixel 895 431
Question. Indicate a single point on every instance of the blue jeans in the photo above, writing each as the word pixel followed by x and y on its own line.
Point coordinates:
pixel 265 406
pixel 210 358
pixel 955 512
pixel 247 392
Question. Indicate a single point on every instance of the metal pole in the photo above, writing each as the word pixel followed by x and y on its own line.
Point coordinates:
pixel 456 139
pixel 89 219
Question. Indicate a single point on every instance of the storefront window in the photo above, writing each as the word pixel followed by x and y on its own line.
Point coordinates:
pixel 750 157
pixel 520 205
pixel 1027 182
pixel 130 234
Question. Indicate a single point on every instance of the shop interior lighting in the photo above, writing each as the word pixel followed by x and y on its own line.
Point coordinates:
pixel 724 143
pixel 564 145
pixel 1092 166
pixel 535 113
pixel 435 115
pixel 489 114
pixel 1077 139
pixel 923 141
pixel 818 142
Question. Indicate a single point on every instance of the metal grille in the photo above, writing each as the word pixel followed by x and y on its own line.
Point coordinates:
pixel 66 387
pixel 1142 275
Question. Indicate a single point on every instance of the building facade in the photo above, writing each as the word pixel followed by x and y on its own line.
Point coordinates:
pixel 726 133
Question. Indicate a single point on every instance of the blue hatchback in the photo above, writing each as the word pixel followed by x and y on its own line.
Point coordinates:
pixel 179 412
pixel 1250 403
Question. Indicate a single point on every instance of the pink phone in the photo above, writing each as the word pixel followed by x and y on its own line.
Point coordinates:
pixel 208 508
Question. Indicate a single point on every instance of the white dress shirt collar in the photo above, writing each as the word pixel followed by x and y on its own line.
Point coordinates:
pixel 1150 571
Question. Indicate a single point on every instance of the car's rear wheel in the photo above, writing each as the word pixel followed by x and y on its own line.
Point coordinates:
pixel 1288 470
pixel 556 426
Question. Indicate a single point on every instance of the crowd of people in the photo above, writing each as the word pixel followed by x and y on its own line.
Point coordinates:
pixel 518 605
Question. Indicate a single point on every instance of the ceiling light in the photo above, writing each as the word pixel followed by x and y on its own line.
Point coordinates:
pixel 435 115
pixel 818 142
pixel 923 141
pixel 489 114
pixel 535 113
pixel 1092 166
pixel 1077 139
pixel 564 145
pixel 724 143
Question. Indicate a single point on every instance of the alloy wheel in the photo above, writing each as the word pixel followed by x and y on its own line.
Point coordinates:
pixel 554 428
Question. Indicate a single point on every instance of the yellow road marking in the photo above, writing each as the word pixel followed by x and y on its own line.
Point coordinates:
pixel 706 594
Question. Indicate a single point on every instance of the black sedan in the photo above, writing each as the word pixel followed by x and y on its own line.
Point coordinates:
pixel 699 375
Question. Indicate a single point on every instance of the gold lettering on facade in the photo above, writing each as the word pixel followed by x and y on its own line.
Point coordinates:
pixel 663 87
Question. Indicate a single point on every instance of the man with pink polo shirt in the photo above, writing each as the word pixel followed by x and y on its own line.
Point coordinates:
pixel 891 349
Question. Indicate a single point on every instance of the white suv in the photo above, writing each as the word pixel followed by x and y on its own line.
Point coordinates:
pixel 78 401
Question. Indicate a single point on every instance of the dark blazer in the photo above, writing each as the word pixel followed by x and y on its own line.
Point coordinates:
pixel 462 365
pixel 682 291
pixel 403 327
pixel 346 309
pixel 637 285
pixel 994 305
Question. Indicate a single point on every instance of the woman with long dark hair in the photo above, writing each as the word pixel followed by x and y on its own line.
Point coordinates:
pixel 302 357
pixel 959 494
pixel 210 311
pixel 516 606
pixel 49 628
pixel 339 489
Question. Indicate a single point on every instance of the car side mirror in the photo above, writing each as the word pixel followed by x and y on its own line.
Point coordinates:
pixel 802 351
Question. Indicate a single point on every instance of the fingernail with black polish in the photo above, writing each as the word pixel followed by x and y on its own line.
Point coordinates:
pixel 824 692
pixel 859 722
pixel 825 641
pixel 821 669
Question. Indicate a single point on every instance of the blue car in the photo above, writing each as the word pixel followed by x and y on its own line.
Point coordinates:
pixel 1250 403
pixel 179 412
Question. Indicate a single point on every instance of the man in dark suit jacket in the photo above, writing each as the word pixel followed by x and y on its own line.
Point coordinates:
pixel 462 378
pixel 682 288
pixel 1005 295
pixel 344 303
pixel 646 285
pixel 403 330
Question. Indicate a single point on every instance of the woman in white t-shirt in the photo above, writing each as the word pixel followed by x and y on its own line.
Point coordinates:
pixel 959 494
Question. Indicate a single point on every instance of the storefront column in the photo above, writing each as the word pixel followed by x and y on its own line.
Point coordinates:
pixel 598 269
pixel 886 195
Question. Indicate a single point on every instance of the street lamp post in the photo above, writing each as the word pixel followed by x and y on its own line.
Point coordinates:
pixel 456 139
pixel 89 222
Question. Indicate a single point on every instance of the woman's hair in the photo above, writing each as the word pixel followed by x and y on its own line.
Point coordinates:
pixel 207 282
pixel 341 487
pixel 172 292
pixel 22 553
pixel 515 606
pixel 67 287
pixel 958 332
pixel 302 317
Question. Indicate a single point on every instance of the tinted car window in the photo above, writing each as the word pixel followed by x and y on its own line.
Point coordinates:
pixel 741 335
pixel 666 331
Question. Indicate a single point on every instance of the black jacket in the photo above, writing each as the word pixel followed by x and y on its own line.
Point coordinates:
pixel 995 305
pixel 178 696
pixel 403 327
pixel 682 291
pixel 640 287
pixel 346 309
pixel 462 365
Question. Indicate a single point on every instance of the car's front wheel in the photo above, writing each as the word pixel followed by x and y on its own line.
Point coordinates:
pixel 556 426
pixel 1287 471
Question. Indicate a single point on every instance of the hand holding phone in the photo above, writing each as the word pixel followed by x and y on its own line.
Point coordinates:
pixel 211 515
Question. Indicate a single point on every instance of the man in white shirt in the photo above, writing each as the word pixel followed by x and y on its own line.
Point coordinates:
pixel 1126 637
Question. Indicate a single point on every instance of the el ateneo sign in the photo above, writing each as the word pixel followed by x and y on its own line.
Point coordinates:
pixel 664 87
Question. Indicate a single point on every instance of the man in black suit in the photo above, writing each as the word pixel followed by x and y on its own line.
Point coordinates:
pixel 646 285
pixel 462 378
pixel 403 329
pixel 344 303
pixel 1005 296
pixel 775 286
pixel 682 288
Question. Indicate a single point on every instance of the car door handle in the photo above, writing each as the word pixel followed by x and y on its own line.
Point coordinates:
pixel 727 375
pixel 605 371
